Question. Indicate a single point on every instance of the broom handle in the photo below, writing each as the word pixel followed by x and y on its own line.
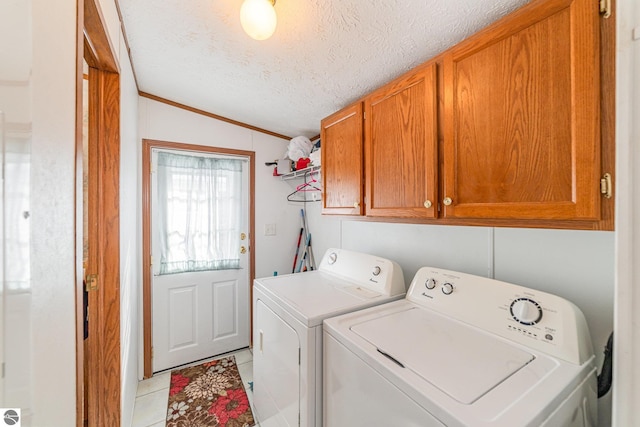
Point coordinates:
pixel 304 254
pixel 295 259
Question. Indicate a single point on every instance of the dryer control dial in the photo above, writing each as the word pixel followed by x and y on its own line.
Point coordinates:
pixel 333 257
pixel 447 288
pixel 430 283
pixel 376 270
pixel 526 311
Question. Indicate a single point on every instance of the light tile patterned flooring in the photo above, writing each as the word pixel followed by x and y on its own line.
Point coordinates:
pixel 153 394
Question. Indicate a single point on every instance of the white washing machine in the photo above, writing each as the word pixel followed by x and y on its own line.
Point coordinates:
pixel 461 350
pixel 287 329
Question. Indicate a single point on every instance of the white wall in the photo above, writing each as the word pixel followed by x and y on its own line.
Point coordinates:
pixel 577 265
pixel 52 212
pixel 274 253
pixel 130 235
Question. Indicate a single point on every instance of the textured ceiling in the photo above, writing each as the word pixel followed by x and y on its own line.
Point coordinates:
pixel 323 55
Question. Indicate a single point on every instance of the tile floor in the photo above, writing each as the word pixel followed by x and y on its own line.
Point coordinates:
pixel 153 394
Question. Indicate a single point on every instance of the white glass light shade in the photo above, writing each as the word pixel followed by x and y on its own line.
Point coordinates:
pixel 258 18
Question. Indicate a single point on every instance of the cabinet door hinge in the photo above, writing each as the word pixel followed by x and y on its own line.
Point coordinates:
pixel 91 282
pixel 605 8
pixel 605 185
pixel 364 115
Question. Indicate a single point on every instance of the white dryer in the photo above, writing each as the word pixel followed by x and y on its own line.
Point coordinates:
pixel 461 350
pixel 287 329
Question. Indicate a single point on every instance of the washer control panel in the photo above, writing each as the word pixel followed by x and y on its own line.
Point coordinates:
pixel 530 317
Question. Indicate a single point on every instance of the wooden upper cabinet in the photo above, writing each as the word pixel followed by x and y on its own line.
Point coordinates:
pixel 401 147
pixel 522 117
pixel 342 162
pixel 516 128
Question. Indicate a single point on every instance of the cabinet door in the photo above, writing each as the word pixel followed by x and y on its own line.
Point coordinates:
pixel 342 162
pixel 401 147
pixel 522 123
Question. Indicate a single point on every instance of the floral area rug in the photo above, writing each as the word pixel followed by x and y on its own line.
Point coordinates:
pixel 208 395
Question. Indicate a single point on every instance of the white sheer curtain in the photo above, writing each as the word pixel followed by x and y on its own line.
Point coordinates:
pixel 199 212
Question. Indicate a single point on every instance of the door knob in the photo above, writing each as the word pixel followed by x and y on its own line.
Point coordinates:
pixel 427 204
pixel 243 250
pixel 447 201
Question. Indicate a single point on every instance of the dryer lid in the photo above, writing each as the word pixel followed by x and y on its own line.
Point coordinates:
pixel 315 295
pixel 461 361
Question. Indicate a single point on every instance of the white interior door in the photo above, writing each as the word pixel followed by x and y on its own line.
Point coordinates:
pixel 199 314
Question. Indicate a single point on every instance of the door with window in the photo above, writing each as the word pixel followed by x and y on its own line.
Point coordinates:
pixel 200 253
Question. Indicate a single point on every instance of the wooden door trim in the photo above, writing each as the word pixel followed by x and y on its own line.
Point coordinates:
pixel 104 87
pixel 98 51
pixel 103 355
pixel 147 146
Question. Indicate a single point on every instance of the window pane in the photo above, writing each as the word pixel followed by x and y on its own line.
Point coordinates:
pixel 200 218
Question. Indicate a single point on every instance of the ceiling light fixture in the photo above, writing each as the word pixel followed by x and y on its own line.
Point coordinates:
pixel 258 18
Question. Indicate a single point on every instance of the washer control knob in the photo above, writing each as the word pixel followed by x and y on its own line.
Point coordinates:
pixel 333 257
pixel 430 283
pixel 376 270
pixel 526 311
pixel 447 288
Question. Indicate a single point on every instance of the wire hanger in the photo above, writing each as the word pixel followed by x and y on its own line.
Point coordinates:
pixel 307 186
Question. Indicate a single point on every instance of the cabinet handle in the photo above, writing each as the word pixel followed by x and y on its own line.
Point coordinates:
pixel 427 204
pixel 356 205
pixel 447 201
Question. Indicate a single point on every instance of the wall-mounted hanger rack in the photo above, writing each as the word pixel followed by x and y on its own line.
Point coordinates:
pixel 300 173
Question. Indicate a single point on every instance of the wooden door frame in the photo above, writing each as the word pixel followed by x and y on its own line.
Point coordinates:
pixel 147 146
pixel 103 353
